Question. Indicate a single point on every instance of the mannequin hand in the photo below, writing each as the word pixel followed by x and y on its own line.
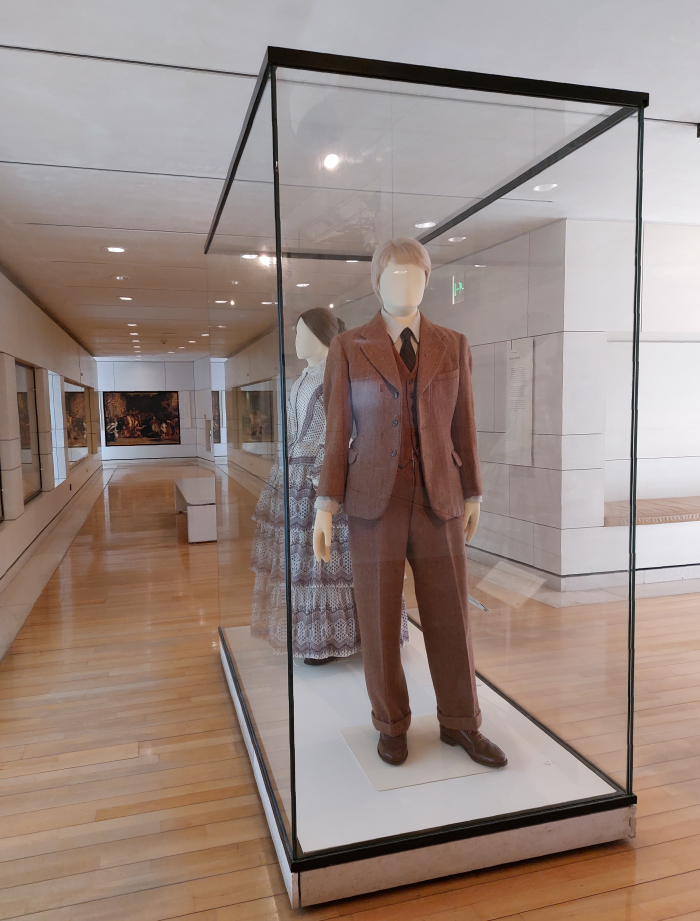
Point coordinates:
pixel 322 536
pixel 469 522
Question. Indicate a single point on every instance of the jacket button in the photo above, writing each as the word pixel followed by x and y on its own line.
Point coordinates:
pixel 395 422
pixel 393 453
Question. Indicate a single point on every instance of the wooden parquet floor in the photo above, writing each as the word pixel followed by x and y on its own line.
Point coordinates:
pixel 126 793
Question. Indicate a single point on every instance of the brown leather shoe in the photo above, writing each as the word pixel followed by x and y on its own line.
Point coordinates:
pixel 478 747
pixel 392 749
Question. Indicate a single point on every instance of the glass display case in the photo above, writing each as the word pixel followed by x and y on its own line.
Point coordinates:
pixel 76 422
pixel 513 407
pixel 28 431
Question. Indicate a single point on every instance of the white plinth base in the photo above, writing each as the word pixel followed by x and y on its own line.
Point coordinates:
pixel 343 880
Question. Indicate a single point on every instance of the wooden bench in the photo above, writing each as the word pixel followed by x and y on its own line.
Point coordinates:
pixel 197 497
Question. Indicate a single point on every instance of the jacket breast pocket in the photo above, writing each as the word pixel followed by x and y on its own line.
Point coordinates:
pixel 447 375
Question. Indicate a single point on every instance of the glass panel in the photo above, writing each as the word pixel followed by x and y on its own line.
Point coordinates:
pixel 58 427
pixel 242 291
pixel 76 422
pixel 541 282
pixel 513 388
pixel 28 431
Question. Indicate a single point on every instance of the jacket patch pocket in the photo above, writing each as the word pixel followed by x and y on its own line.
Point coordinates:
pixel 456 458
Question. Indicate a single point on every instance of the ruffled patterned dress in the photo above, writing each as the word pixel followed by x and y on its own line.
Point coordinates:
pixel 324 617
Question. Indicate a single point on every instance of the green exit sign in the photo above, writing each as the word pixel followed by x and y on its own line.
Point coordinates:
pixel 457 289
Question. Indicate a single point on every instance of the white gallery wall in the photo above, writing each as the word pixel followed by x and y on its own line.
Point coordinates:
pixel 29 336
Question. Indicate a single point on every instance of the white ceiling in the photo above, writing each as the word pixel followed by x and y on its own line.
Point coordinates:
pixel 107 152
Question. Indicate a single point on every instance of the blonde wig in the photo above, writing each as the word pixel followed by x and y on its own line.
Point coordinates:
pixel 402 250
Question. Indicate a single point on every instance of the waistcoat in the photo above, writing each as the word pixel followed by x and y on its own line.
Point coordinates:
pixel 410 444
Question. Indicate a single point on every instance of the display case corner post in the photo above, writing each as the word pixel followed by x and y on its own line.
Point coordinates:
pixel 272 76
pixel 634 427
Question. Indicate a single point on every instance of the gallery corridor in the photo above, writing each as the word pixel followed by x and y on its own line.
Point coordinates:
pixel 125 790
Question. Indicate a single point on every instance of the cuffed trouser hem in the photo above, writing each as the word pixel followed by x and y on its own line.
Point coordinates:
pixel 464 723
pixel 392 729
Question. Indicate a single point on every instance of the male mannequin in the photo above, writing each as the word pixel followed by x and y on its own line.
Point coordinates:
pixel 410 485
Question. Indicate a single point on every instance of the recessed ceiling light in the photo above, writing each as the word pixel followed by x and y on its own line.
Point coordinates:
pixel 171 353
pixel 114 249
pixel 124 298
pixel 265 303
pixel 131 324
pixel 302 284
pixel 233 303
pixel 133 334
pixel 456 239
pixel 423 225
pixel 219 302
pixel 331 306
pixel 191 341
pixel 120 277
pixel 352 260
pixel 249 256
pixel 221 327
pixel 233 282
pixel 331 161
pixel 181 346
pixel 545 187
pixel 267 260
pixel 477 266
pixel 205 334
pixel 137 340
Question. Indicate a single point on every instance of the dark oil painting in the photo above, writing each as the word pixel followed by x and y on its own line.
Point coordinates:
pixel 76 424
pixel 25 431
pixel 216 416
pixel 142 418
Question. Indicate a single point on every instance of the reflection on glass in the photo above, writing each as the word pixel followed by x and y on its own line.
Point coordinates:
pixel 28 431
pixel 76 422
pixel 58 428
pixel 253 420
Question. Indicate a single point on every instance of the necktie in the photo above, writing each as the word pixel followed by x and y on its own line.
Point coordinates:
pixel 407 353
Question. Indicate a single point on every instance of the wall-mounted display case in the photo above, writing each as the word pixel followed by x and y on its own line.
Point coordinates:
pixel 526 196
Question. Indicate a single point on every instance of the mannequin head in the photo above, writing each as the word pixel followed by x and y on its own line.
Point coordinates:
pixel 400 272
pixel 315 329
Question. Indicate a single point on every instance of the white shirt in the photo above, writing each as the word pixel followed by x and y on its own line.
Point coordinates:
pixel 394 328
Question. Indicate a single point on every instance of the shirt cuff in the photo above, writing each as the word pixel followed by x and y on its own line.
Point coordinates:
pixel 474 499
pixel 324 504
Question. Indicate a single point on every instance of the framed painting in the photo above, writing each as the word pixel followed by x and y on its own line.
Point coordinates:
pixel 141 418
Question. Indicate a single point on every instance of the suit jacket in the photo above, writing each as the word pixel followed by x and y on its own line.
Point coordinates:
pixel 360 391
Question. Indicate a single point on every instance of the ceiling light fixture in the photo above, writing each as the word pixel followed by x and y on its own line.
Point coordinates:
pixel 249 256
pixel 219 302
pixel 131 324
pixel 205 334
pixel 171 353
pixel 135 341
pixel 124 298
pixel 221 327
pixel 266 303
pixel 120 277
pixel 233 303
pixel 545 187
pixel 267 261
pixel 114 249
pixel 302 284
pixel 424 225
pixel 478 266
pixel 181 346
pixel 133 334
pixel 331 306
pixel 332 161
pixel 456 239
pixel 352 260
pixel 192 341
pixel 233 282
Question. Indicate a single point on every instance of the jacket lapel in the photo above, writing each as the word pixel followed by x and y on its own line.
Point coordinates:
pixel 431 351
pixel 378 348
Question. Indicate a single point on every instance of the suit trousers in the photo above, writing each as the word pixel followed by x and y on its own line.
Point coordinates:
pixel 409 529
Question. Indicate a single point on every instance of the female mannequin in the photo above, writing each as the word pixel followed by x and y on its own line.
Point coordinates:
pixel 324 619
